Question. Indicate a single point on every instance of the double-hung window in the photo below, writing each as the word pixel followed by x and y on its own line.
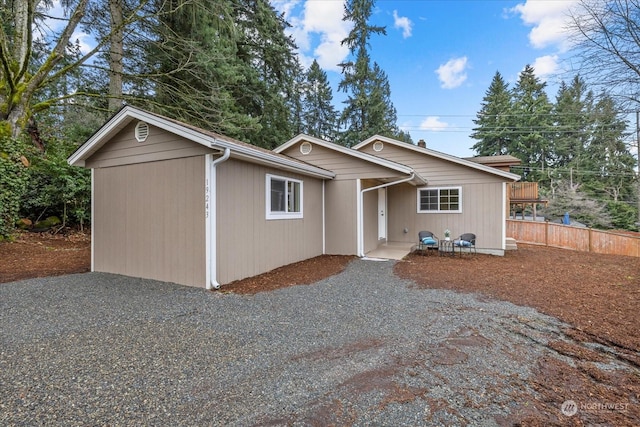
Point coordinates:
pixel 284 197
pixel 440 200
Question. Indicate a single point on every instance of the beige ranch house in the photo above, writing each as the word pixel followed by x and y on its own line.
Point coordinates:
pixel 176 203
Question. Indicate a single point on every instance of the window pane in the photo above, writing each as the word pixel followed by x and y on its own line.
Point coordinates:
pixel 449 199
pixel 293 196
pixel 428 200
pixel 277 195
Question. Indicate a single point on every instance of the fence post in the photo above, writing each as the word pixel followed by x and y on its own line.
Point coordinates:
pixel 590 249
pixel 546 233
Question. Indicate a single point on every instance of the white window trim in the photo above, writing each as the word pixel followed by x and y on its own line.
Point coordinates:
pixel 439 211
pixel 282 215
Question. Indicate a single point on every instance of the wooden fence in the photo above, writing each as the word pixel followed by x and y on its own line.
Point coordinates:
pixel 576 238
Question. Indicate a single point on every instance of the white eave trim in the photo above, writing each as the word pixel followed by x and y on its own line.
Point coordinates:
pixel 128 113
pixel 398 167
pixel 508 175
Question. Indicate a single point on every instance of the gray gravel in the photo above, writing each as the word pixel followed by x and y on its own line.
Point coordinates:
pixel 361 348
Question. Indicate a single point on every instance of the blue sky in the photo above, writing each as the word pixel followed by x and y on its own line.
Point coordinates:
pixel 440 56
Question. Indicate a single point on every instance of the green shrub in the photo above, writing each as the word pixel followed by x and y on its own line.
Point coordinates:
pixel 57 189
pixel 13 180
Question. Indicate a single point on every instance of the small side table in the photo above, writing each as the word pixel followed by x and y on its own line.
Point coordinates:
pixel 446 247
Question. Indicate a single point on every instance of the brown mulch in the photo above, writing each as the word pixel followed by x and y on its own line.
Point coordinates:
pixel 598 295
pixel 300 273
pixel 32 255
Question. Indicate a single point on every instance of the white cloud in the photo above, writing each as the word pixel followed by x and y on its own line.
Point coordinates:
pixel 315 20
pixel 545 66
pixel 452 74
pixel 549 20
pixel 285 6
pixel 433 123
pixel 403 23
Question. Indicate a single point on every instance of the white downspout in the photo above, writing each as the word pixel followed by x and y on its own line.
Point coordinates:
pixel 93 215
pixel 360 213
pixel 324 228
pixel 212 258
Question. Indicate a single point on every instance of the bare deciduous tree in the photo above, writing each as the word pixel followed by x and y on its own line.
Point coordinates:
pixel 606 35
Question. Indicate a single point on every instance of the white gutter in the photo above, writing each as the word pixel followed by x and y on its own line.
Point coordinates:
pixel 211 221
pixel 360 213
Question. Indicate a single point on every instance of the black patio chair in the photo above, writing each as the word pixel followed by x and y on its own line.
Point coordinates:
pixel 427 241
pixel 466 241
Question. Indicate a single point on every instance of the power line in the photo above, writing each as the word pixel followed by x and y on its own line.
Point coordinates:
pixel 576 171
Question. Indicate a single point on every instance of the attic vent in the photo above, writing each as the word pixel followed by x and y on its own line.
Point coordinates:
pixel 378 146
pixel 142 131
pixel 305 148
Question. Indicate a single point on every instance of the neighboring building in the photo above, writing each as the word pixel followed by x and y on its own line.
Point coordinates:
pixel 176 203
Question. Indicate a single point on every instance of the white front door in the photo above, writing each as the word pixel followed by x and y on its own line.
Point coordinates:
pixel 382 214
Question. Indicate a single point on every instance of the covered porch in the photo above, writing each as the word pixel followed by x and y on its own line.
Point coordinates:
pixel 391 250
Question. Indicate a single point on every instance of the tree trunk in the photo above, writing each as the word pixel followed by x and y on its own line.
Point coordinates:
pixel 22 29
pixel 115 55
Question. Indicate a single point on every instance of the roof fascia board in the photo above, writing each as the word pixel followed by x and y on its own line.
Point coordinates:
pixel 348 151
pixel 439 155
pixel 128 112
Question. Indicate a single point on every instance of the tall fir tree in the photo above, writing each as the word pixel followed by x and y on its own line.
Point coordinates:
pixel 320 118
pixel 205 93
pixel 368 108
pixel 532 125
pixel 494 121
pixel 608 160
pixel 269 75
pixel 572 117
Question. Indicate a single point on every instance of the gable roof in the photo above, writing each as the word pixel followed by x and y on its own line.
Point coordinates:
pixel 239 150
pixel 426 151
pixel 389 164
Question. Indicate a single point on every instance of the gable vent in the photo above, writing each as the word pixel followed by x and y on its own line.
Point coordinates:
pixel 305 148
pixel 378 146
pixel 142 131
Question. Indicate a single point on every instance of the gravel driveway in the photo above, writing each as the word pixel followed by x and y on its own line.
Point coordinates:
pixel 361 348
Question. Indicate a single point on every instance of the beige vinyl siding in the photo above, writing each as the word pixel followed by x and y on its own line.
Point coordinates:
pixel 149 220
pixel 247 243
pixel 344 166
pixel 482 214
pixel 437 172
pixel 340 219
pixel 124 149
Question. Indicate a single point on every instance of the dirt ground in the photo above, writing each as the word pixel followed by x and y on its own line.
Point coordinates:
pixel 32 255
pixel 597 295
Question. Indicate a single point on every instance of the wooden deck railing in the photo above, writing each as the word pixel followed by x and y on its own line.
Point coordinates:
pixel 576 238
pixel 524 191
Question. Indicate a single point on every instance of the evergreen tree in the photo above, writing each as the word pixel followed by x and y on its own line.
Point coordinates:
pixel 203 94
pixel 268 72
pixel 368 107
pixel 532 124
pixel 319 115
pixel 241 80
pixel 572 116
pixel 383 116
pixel 296 103
pixel 607 156
pixel 494 121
